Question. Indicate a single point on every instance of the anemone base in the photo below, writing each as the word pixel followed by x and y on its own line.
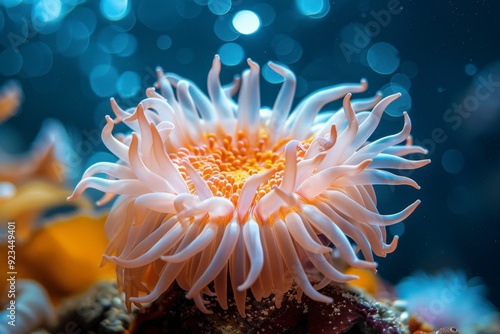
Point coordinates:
pixel 349 313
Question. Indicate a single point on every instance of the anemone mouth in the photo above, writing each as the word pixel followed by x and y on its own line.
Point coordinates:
pixel 226 165
pixel 213 190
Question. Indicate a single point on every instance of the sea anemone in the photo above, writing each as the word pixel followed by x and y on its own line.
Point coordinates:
pixel 222 195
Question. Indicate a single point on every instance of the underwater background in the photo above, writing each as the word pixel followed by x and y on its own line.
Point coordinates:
pixel 70 57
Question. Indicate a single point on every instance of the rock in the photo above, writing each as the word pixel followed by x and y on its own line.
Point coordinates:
pixel 350 312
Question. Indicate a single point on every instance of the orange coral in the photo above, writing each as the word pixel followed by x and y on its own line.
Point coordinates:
pixel 11 96
pixel 367 280
pixel 64 256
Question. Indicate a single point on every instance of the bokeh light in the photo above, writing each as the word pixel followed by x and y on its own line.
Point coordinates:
pixel 402 80
pixel 37 59
pixel 128 84
pixel 114 10
pixel 224 29
pixel 313 8
pixel 246 22
pixel 118 43
pixel 103 38
pixel 93 56
pixel 453 161
pixel 85 16
pixel 187 9
pixel 266 13
pixel 383 58
pixel 125 24
pixel 46 10
pixel 231 54
pixel 164 42
pixel 124 44
pixel 11 62
pixel 73 38
pixel 287 49
pixel 470 69
pixel 103 80
pixel 219 7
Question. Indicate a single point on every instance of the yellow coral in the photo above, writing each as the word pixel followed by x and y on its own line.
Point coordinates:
pixel 64 256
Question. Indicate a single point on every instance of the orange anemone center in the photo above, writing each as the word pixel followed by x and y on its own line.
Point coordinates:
pixel 226 164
